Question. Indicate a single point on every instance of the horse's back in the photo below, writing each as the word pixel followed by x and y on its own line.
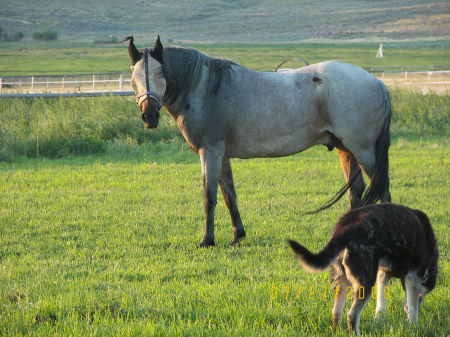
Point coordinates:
pixel 344 77
pixel 352 99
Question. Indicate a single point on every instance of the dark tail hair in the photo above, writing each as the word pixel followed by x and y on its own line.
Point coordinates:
pixel 322 260
pixel 380 180
pixel 338 195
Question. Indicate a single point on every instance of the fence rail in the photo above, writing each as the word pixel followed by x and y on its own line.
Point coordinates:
pixel 105 82
pixel 422 77
pixel 69 94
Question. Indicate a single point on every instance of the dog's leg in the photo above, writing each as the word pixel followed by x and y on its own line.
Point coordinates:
pixel 361 271
pixel 405 306
pixel 412 297
pixel 339 299
pixel 382 281
pixel 361 295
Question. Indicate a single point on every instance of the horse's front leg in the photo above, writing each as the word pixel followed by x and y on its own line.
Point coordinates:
pixel 229 194
pixel 211 160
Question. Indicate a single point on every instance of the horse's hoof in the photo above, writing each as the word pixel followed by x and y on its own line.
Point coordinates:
pixel 206 244
pixel 237 241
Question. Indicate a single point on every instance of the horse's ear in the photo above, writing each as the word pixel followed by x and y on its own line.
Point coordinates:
pixel 135 54
pixel 157 52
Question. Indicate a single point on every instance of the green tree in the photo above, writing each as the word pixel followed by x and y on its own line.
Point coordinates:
pixel 46 35
pixel 18 36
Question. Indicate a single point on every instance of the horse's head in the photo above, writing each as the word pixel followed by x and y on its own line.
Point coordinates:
pixel 148 80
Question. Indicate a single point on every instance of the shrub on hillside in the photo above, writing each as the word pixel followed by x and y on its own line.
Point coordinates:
pixel 111 40
pixel 47 35
pixel 4 36
pixel 18 36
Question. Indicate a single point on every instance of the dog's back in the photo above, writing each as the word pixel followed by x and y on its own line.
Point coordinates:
pixel 400 238
pixel 372 244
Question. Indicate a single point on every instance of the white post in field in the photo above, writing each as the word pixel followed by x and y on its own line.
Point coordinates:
pixel 380 53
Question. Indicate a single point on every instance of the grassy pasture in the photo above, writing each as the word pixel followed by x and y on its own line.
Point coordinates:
pixel 100 240
pixel 106 245
pixel 46 58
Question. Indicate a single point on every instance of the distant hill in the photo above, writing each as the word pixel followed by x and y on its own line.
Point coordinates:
pixel 230 20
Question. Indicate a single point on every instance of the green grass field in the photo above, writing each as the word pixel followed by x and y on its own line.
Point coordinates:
pixel 60 57
pixel 99 221
pixel 107 246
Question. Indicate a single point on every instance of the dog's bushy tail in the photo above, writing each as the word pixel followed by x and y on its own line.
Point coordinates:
pixel 315 263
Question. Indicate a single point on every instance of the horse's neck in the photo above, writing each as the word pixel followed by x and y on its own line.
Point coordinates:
pixel 182 104
pixel 243 82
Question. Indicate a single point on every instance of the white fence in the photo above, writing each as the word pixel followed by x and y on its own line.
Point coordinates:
pixel 437 79
pixel 424 81
pixel 106 82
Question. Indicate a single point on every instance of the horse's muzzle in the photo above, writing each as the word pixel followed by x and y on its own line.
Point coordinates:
pixel 150 113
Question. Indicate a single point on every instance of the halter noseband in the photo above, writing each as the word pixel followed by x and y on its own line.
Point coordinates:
pixel 148 94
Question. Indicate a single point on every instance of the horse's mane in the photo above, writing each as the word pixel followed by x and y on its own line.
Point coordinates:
pixel 183 67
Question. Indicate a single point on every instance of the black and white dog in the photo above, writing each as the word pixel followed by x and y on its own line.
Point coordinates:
pixel 372 244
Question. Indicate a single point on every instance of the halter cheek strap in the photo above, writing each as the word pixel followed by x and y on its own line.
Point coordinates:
pixel 148 94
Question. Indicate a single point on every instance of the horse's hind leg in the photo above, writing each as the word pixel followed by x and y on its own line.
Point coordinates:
pixel 229 194
pixel 350 168
pixel 367 159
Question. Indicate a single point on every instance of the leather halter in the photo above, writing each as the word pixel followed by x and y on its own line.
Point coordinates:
pixel 148 94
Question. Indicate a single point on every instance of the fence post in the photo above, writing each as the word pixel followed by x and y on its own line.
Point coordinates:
pixel 406 75
pixel 32 83
pixel 1 84
pixel 62 82
pixel 121 82
pixel 93 81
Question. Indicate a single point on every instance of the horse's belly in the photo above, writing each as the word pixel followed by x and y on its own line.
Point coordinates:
pixel 286 121
pixel 251 145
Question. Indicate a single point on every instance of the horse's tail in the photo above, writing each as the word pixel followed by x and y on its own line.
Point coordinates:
pixel 315 263
pixel 379 186
pixel 380 181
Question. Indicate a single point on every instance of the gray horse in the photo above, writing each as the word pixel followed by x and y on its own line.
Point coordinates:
pixel 227 111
